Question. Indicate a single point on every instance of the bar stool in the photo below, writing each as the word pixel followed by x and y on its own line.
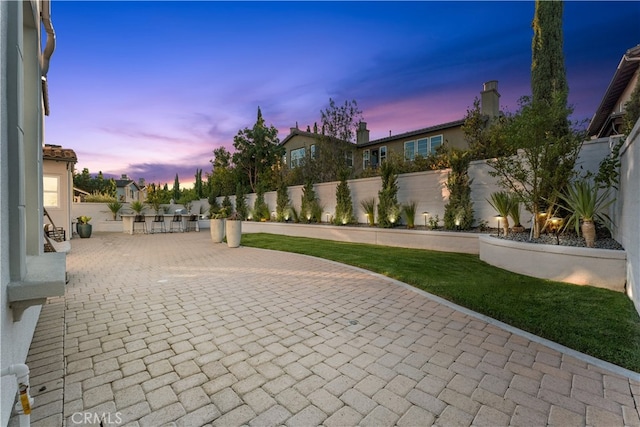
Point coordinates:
pixel 140 219
pixel 176 222
pixel 158 220
pixel 192 223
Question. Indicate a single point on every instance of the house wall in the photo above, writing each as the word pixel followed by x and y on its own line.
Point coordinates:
pixel 627 211
pixel 21 116
pixel 61 215
pixel 451 137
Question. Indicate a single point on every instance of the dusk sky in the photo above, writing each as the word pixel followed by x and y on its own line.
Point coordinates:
pixel 151 88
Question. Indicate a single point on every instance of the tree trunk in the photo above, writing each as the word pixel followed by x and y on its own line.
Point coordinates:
pixel 589 233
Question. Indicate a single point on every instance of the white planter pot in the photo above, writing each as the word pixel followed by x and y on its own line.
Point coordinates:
pixel 217 230
pixel 234 233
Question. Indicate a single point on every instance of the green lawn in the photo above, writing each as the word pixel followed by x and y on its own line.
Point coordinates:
pixel 595 321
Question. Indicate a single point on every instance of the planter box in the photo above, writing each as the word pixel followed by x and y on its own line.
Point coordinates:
pixel 602 268
pixel 444 241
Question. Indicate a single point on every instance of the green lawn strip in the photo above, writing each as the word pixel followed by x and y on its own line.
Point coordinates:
pixel 595 321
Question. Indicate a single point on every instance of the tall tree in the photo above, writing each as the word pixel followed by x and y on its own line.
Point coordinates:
pixel 197 186
pixel 222 181
pixel 175 192
pixel 548 75
pixel 388 206
pixel 258 150
pixel 335 149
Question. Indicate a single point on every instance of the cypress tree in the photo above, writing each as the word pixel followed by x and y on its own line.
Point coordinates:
pixel 344 204
pixel 176 189
pixel 458 213
pixel 388 207
pixel 548 75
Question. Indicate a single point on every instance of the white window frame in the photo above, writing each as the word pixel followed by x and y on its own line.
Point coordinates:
pixel 49 194
pixel 366 159
pixel 382 153
pixel 411 156
pixel 295 158
pixel 348 158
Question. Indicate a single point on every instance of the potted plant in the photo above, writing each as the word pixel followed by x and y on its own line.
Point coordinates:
pixel 83 227
pixel 217 223
pixel 502 202
pixel 114 207
pixel 234 230
pixel 587 204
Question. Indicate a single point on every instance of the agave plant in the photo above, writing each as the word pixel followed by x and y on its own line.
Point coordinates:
pixel 587 204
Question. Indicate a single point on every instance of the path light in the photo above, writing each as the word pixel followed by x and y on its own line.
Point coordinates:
pixel 425 214
pixel 368 222
pixel 555 225
pixel 498 218
pixel 457 224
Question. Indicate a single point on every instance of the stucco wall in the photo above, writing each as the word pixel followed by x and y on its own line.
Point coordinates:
pixel 627 212
pixel 19 50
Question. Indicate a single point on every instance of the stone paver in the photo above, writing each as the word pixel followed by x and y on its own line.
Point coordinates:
pixel 174 329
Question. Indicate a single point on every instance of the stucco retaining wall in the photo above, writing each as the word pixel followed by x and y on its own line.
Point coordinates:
pixel 602 268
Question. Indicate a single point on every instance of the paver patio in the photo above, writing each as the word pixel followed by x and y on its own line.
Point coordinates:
pixel 172 329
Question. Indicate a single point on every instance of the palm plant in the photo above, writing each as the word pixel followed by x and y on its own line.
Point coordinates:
pixel 114 207
pixel 502 202
pixel 137 206
pixel 587 204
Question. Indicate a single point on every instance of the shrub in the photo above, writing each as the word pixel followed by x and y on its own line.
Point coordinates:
pixel 369 207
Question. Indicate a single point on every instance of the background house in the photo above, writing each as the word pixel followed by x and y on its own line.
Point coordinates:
pixel 408 145
pixel 25 26
pixel 127 190
pixel 57 185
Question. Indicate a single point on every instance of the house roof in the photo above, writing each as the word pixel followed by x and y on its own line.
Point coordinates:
pixel 623 75
pixel 295 131
pixel 121 183
pixel 412 133
pixel 56 152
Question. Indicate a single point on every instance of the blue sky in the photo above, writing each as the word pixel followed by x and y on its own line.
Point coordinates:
pixel 151 88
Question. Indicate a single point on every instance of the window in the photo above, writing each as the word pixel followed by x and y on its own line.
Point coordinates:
pixel 422 147
pixel 51 191
pixel 297 156
pixel 366 162
pixel 436 141
pixel 409 150
pixel 383 154
pixel 349 158
pixel 313 151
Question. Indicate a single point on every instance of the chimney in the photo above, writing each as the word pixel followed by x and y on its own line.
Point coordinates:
pixel 490 99
pixel 362 134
